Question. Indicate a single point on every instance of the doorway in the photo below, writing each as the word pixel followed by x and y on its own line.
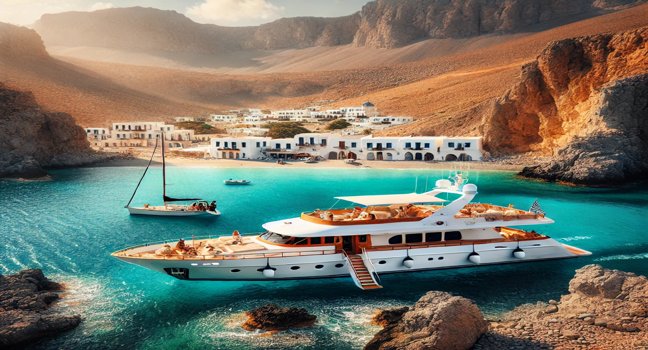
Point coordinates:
pixel 347 244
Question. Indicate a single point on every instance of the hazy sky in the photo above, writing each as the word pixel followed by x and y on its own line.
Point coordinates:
pixel 223 12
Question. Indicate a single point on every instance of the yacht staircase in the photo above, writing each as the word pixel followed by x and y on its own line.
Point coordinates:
pixel 360 273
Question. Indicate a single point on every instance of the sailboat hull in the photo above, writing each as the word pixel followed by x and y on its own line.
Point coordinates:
pixel 169 211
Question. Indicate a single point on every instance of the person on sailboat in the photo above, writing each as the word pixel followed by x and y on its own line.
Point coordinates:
pixel 212 206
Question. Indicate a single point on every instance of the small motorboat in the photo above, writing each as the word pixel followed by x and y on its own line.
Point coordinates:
pixel 237 182
pixel 311 160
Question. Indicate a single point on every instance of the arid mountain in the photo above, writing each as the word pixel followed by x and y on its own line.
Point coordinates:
pixel 380 24
pixel 60 86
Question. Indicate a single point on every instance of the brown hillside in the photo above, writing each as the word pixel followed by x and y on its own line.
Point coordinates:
pixel 61 86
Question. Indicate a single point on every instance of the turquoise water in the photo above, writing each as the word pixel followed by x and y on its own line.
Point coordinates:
pixel 69 226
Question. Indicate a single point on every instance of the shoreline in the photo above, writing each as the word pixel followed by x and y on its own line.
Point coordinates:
pixel 328 164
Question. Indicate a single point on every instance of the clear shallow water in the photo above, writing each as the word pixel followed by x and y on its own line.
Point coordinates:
pixel 69 226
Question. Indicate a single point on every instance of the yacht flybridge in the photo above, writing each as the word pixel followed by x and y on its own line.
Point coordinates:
pixel 195 206
pixel 384 234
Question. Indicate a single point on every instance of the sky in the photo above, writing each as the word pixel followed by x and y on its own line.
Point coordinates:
pixel 222 12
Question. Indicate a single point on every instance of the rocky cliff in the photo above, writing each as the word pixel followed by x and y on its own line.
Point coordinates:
pixel 25 314
pixel 380 24
pixel 584 102
pixel 32 139
pixel 390 23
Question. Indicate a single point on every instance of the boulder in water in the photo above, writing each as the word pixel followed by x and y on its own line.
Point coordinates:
pixel 272 317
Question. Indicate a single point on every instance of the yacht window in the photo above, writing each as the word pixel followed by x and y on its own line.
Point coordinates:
pixel 414 238
pixel 452 235
pixel 339 265
pixel 382 262
pixel 319 266
pixel 235 270
pixel 396 240
pixel 433 237
pixel 430 259
pixel 362 239
pixel 301 241
pixel 440 258
pixel 316 240
pixel 329 240
pixel 294 267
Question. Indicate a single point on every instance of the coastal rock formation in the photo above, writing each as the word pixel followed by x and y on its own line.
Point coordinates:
pixel 380 24
pixel 584 101
pixel 25 299
pixel 437 321
pixel 272 317
pixel 605 309
pixel 32 139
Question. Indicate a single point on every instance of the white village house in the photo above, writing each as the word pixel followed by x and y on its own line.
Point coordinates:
pixel 334 146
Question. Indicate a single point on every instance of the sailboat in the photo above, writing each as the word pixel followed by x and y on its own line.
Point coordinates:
pixel 195 206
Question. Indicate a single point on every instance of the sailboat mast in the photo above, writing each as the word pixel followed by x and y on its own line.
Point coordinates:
pixel 163 168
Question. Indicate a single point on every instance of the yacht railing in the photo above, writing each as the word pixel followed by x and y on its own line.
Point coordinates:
pixel 231 256
pixel 370 266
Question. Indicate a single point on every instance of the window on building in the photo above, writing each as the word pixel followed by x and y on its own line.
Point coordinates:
pixel 433 236
pixel 452 236
pixel 264 143
pixel 354 144
pixel 288 146
pixel 226 144
pixel 408 145
pixel 243 144
pixel 389 145
pixel 369 145
pixel 426 145
pixel 258 144
pixel 414 238
pixel 450 144
pixel 467 144
pixel 217 143
pixel 396 239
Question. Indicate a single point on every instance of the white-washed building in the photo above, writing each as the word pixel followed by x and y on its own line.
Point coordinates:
pixel 390 120
pixel 224 118
pixel 249 147
pixel 184 119
pixel 290 114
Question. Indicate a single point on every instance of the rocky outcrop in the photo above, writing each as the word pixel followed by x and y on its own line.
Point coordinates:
pixel 272 317
pixel 380 24
pixel 614 155
pixel 605 309
pixel 20 42
pixel 32 139
pixel 582 101
pixel 25 299
pixel 437 321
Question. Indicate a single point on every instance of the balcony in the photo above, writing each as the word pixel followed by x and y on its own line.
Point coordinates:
pixel 228 149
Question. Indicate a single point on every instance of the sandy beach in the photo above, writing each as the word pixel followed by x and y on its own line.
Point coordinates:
pixel 327 164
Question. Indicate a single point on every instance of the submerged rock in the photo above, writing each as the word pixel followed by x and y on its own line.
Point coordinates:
pixel 25 316
pixel 272 317
pixel 437 321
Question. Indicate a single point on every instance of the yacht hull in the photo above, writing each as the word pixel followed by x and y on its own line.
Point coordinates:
pixel 170 212
pixel 335 265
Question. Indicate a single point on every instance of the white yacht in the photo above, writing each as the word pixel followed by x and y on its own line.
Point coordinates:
pixel 383 234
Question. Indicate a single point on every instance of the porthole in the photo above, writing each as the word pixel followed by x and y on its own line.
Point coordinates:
pixel 382 262
pixel 236 270
pixel 319 266
pixel 339 265
pixel 294 267
pixel 430 259
pixel 440 258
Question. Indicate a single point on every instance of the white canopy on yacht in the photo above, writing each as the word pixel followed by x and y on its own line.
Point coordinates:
pixel 404 198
